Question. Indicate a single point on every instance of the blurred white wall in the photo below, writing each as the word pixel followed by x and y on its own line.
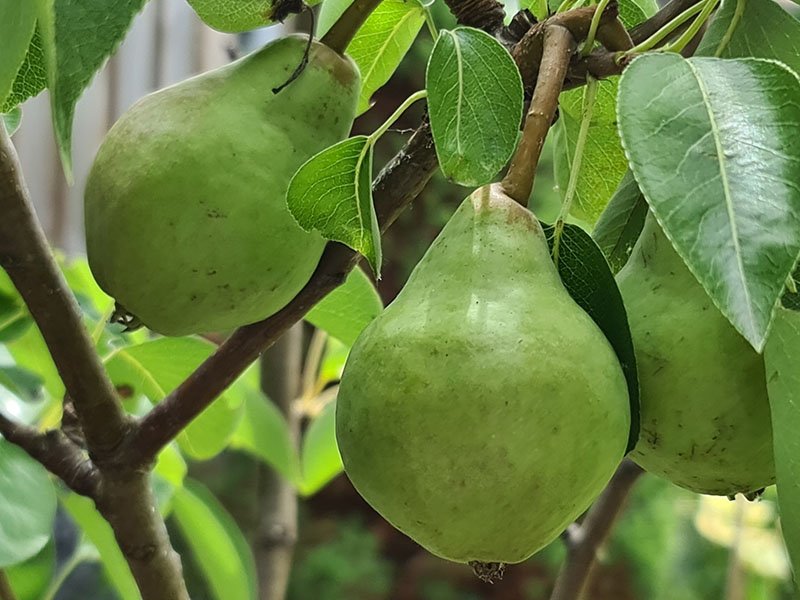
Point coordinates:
pixel 166 44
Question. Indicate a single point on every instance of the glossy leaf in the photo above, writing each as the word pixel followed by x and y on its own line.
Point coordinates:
pixel 99 533
pixel 604 163
pixel 347 310
pixel 321 461
pixel 332 193
pixel 717 155
pixel 78 37
pixel 475 105
pixel 156 368
pixel 17 22
pixel 263 432
pixel 27 505
pixel 217 544
pixel 620 224
pixel 588 279
pixel 781 357
pixel 31 76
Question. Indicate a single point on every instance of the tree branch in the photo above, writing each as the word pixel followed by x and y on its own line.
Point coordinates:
pixel 584 540
pixel 57 453
pixel 26 257
pixel 6 593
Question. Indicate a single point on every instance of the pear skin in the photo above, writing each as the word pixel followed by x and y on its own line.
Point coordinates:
pixel 483 410
pixel 185 207
pixel 705 418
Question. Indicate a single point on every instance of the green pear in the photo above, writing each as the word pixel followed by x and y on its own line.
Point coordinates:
pixel 186 219
pixel 483 410
pixel 705 419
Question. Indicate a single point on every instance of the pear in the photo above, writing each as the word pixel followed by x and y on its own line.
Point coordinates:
pixel 705 418
pixel 483 410
pixel 186 219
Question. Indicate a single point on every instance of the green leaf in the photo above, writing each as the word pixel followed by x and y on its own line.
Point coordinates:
pixel 234 16
pixel 23 384
pixel 332 193
pixel 321 461
pixel 30 353
pixel 17 22
pixel 78 36
pixel 604 162
pixel 12 120
pixel 781 357
pixel 31 77
pixel 382 42
pixel 475 105
pixel 217 544
pixel 347 310
pixel 99 533
pixel 588 279
pixel 333 361
pixel 263 432
pixel 329 13
pixel 753 28
pixel 156 368
pixel 171 466
pixel 30 579
pixel 27 505
pixel 618 228
pixel 717 155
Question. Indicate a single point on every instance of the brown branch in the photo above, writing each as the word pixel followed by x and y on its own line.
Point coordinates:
pixel 559 45
pixel 346 26
pixel 487 15
pixel 6 592
pixel 26 257
pixel 57 453
pixel 584 540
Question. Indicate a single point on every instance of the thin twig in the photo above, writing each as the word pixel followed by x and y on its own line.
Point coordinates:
pixel 584 540
pixel 26 257
pixel 559 45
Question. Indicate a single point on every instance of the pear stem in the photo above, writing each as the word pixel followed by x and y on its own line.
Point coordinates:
pixel 559 44
pixel 344 30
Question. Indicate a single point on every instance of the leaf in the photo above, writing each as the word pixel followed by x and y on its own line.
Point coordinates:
pixel 31 77
pixel 27 505
pixel 475 105
pixel 332 193
pixel 156 368
pixel 588 279
pixel 753 28
pixel 717 155
pixel 382 42
pixel 30 579
pixel 234 16
pixel 217 544
pixel 12 120
pixel 99 532
pixel 30 353
pixel 23 384
pixel 333 361
pixel 604 162
pixel 321 461
pixel 263 432
pixel 17 22
pixel 329 13
pixel 633 12
pixel 347 310
pixel 78 36
pixel 620 224
pixel 781 357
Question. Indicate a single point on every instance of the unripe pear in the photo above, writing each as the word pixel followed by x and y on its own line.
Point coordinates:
pixel 187 225
pixel 705 418
pixel 483 410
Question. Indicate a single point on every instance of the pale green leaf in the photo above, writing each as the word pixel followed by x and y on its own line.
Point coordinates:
pixel 475 104
pixel 12 120
pixel 347 310
pixel 156 368
pixel 715 148
pixel 17 22
pixel 217 544
pixel 27 505
pixel 332 194
pixel 321 461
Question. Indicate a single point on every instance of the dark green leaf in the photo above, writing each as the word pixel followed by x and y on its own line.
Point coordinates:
pixel 781 357
pixel 717 155
pixel 78 36
pixel 588 279
pixel 23 384
pixel 156 368
pixel 618 228
pixel 17 22
pixel 320 457
pixel 332 193
pixel 347 310
pixel 218 545
pixel 27 505
pixel 31 77
pixel 475 105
